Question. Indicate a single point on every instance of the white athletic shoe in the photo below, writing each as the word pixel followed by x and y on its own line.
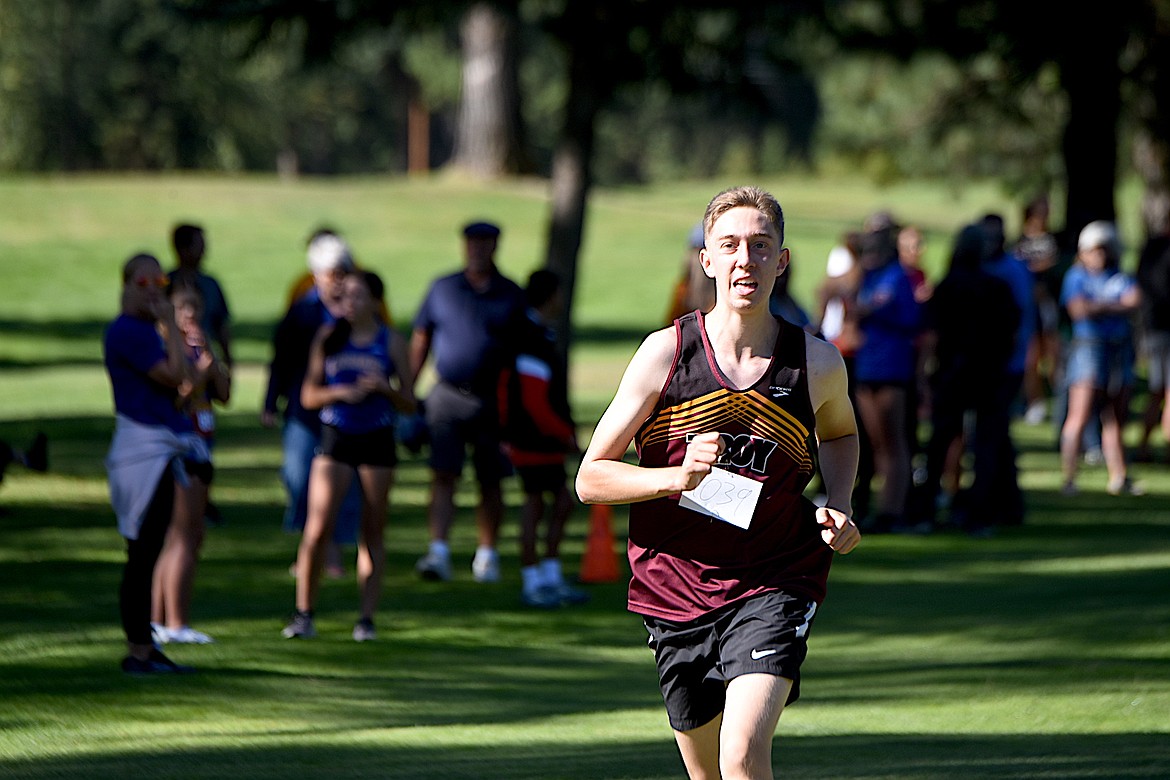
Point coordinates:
pixel 363 631
pixel 434 567
pixel 1037 413
pixel 485 567
pixel 185 635
pixel 159 633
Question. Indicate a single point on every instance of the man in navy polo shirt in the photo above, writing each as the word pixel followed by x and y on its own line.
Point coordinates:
pixel 465 321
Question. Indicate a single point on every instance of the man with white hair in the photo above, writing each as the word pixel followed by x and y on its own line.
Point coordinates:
pixel 329 260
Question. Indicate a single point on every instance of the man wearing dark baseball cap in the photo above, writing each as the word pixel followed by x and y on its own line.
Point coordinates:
pixel 467 322
pixel 481 230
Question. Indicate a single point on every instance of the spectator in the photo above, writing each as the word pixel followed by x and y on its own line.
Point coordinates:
pixel 835 290
pixel 1100 300
pixel 155 456
pixel 358 379
pixel 329 261
pixel 190 246
pixel 694 290
pixel 174 574
pixel 910 245
pixel 889 320
pixel 783 305
pixel 538 431
pixel 1038 249
pixel 467 320
pixel 1002 264
pixel 1153 279
pixel 838 326
pixel 967 359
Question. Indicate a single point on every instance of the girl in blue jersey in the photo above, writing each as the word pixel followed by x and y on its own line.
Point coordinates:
pixel 358 377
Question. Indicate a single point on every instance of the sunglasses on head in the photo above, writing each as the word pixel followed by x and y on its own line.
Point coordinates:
pixel 152 281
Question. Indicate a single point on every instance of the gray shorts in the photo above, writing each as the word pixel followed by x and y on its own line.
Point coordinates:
pixel 1157 349
pixel 458 419
pixel 767 634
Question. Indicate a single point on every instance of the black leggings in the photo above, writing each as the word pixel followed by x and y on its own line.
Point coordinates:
pixel 141 555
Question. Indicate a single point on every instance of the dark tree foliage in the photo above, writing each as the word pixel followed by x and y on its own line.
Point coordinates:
pixel 1086 46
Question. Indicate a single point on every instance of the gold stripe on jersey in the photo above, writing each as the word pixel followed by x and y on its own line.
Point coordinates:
pixel 752 410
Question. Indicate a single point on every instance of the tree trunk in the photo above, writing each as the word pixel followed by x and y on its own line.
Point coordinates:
pixel 1092 80
pixel 1152 141
pixel 489 138
pixel 418 134
pixel 571 181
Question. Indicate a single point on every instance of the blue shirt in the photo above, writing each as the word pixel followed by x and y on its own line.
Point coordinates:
pixel 887 352
pixel 1099 287
pixel 1013 271
pixel 470 329
pixel 132 347
pixel 345 368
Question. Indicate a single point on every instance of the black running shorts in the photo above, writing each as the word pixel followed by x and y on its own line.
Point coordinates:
pixel 375 448
pixel 766 634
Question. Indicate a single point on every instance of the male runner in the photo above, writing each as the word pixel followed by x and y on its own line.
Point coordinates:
pixel 736 403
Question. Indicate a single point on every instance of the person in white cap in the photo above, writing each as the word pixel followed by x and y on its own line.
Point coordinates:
pixel 1100 300
pixel 329 260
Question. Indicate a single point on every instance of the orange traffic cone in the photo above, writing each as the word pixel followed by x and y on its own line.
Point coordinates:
pixel 599 563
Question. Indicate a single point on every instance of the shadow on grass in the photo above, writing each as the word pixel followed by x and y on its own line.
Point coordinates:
pixel 901 756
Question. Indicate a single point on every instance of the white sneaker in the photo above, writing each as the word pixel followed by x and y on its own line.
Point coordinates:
pixel 363 631
pixel 1037 413
pixel 185 635
pixel 159 633
pixel 434 567
pixel 485 567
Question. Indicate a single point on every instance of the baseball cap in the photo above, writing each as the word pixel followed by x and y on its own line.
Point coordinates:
pixel 327 252
pixel 481 230
pixel 1101 233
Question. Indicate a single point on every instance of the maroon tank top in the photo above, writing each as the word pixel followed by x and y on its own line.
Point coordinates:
pixel 686 564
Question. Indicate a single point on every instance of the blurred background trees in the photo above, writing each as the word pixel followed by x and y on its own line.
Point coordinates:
pixel 1033 95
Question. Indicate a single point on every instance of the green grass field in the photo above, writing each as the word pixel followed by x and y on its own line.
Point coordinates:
pixel 1043 652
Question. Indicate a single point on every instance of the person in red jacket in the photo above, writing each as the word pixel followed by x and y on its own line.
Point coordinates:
pixel 538 432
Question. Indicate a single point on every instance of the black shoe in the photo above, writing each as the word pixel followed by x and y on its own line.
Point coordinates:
pixel 155 663
pixel 6 457
pixel 36 457
pixel 212 516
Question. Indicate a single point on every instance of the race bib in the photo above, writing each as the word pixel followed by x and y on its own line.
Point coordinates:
pixel 726 496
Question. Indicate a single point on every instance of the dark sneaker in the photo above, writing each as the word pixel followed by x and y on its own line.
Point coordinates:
pixel 6 456
pixel 544 597
pixel 36 457
pixel 155 663
pixel 571 596
pixel 300 627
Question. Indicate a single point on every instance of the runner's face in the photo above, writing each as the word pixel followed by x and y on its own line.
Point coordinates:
pixel 744 257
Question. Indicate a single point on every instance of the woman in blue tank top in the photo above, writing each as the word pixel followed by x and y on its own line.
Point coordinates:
pixel 359 379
